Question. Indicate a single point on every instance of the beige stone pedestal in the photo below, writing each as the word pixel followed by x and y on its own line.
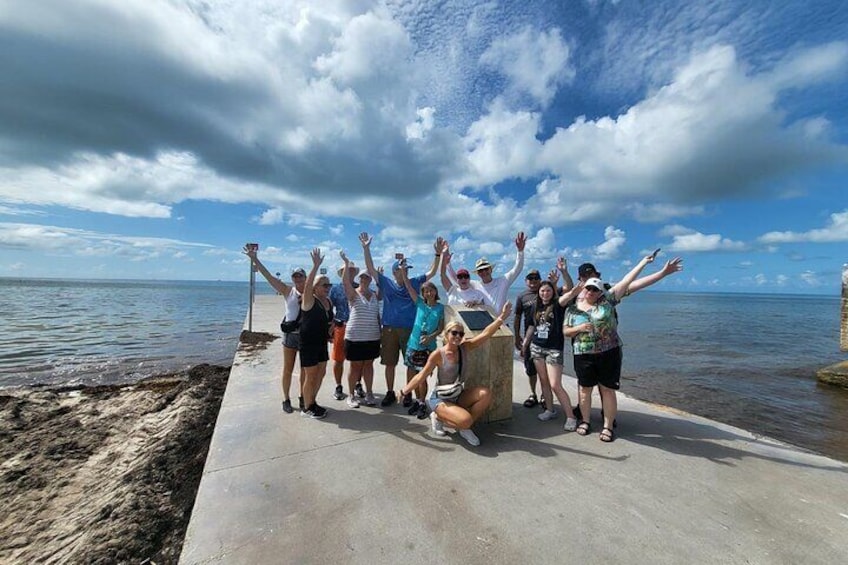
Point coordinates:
pixel 489 365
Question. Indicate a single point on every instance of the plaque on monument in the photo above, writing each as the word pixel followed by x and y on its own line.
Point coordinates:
pixel 476 319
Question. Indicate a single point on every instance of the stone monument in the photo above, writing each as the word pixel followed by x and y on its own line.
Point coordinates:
pixel 490 364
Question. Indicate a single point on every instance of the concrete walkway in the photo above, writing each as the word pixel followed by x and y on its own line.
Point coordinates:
pixel 373 486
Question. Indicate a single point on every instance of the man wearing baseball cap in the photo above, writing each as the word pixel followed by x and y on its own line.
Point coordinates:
pixel 461 293
pixel 498 288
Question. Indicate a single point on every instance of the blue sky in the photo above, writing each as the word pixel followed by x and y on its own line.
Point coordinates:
pixel 153 138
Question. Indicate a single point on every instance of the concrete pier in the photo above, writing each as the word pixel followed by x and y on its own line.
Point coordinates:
pixel 371 485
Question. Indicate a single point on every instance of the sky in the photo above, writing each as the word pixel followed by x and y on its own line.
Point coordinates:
pixel 151 139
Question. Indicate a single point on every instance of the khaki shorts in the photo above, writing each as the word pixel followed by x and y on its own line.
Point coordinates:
pixel 392 344
pixel 338 342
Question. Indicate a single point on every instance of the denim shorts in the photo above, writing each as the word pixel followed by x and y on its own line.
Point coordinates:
pixel 433 401
pixel 549 356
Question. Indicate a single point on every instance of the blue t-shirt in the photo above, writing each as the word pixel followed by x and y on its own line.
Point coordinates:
pixel 339 300
pixel 398 307
pixel 427 320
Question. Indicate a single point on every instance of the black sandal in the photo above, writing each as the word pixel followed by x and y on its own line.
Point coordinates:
pixel 531 401
pixel 607 435
pixel 583 428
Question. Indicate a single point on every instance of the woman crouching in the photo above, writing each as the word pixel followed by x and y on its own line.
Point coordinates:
pixel 466 405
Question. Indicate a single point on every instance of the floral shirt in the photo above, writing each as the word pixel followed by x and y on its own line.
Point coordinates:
pixel 602 316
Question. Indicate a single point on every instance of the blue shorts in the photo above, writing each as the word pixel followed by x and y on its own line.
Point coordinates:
pixel 433 401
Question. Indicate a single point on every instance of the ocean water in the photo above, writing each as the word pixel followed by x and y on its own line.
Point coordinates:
pixel 747 360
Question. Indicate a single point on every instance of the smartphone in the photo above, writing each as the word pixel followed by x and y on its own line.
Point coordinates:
pixel 656 252
pixel 252 246
pixel 398 256
pixel 323 270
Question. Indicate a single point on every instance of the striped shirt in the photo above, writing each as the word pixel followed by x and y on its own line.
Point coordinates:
pixel 364 321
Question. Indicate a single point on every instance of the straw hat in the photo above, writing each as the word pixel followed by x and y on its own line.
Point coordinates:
pixel 340 270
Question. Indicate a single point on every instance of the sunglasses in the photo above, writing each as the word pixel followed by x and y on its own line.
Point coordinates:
pixel 457 333
pixel 534 278
pixel 463 276
pixel 593 289
pixel 327 285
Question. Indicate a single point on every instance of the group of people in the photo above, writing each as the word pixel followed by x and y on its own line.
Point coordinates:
pixel 411 322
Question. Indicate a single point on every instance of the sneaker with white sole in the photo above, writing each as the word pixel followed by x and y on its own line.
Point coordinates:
pixel 570 424
pixel 547 415
pixel 370 400
pixel 352 401
pixel 470 437
pixel 315 412
pixel 339 393
pixel 436 425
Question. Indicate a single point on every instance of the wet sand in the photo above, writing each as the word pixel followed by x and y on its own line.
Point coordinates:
pixel 104 474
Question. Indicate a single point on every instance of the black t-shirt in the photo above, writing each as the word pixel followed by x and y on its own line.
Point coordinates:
pixel 524 307
pixel 315 323
pixel 549 326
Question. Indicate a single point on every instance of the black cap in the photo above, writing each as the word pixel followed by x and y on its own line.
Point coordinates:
pixel 587 270
pixel 533 273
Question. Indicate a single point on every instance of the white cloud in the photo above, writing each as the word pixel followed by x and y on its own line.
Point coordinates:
pixel 535 62
pixel 810 278
pixel 691 241
pixel 69 242
pixel 836 230
pixel 614 240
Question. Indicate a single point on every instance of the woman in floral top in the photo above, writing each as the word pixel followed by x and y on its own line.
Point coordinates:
pixel 592 325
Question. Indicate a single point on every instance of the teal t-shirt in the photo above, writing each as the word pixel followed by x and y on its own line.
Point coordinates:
pixel 427 320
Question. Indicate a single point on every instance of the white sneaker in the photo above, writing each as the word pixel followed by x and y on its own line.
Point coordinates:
pixel 436 425
pixel 370 400
pixel 352 401
pixel 470 437
pixel 547 415
pixel 570 424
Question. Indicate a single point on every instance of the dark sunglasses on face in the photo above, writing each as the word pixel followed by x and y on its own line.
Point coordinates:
pixel 457 333
pixel 327 285
pixel 593 289
pixel 534 278
pixel 463 276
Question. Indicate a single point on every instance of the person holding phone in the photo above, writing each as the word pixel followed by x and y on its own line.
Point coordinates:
pixel 398 311
pixel 592 325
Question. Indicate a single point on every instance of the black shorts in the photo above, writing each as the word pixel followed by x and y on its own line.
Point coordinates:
pixel 313 352
pixel 599 368
pixel 361 350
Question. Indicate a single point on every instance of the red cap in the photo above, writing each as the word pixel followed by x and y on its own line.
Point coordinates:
pixel 463 272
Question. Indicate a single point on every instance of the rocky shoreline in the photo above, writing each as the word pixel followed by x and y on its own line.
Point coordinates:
pixel 104 474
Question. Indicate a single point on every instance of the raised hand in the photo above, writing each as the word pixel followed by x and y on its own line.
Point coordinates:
pixel 250 252
pixel 343 255
pixel 317 258
pixel 446 256
pixel 365 239
pixel 553 276
pixel 520 241
pixel 439 245
pixel 562 264
pixel 507 309
pixel 672 266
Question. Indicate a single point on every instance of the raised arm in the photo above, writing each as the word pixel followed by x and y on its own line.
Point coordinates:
pixel 437 247
pixel 570 294
pixel 489 330
pixel 446 257
pixel 365 240
pixel 670 268
pixel 567 281
pixel 308 299
pixel 275 283
pixel 512 274
pixel 404 276
pixel 620 288
pixel 350 292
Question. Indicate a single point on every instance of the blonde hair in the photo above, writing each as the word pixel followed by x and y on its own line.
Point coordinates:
pixel 448 327
pixel 320 280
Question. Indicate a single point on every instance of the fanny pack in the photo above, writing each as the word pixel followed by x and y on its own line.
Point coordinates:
pixel 453 390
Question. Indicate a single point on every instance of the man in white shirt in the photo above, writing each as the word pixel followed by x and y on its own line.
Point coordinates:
pixel 498 288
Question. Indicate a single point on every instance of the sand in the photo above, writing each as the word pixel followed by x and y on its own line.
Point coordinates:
pixel 104 474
